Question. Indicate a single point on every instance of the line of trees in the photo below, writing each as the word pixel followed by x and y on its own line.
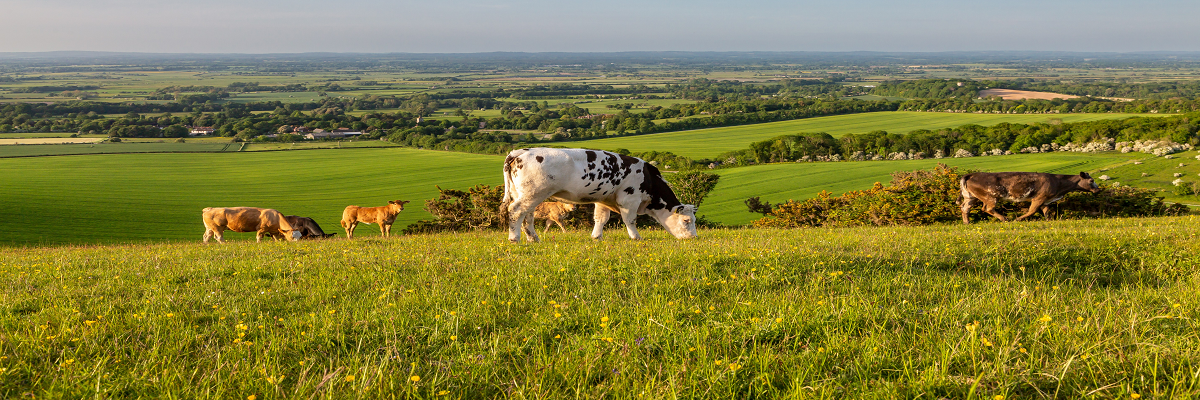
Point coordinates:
pixel 974 139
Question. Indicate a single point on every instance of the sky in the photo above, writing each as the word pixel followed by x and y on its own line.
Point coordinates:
pixel 468 26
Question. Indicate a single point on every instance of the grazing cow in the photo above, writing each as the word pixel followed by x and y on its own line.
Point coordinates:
pixel 1039 189
pixel 308 227
pixel 382 215
pixel 553 212
pixel 613 182
pixel 264 221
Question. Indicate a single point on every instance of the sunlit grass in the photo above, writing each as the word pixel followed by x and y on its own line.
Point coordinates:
pixel 1074 309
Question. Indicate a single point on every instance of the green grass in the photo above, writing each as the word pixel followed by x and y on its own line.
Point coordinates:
pixel 780 182
pixel 1160 172
pixel 707 143
pixel 158 197
pixel 1072 309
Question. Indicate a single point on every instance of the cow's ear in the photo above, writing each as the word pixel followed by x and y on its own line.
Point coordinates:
pixel 1085 175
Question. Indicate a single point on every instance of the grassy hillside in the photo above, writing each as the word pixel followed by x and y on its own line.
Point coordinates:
pixel 780 182
pixel 707 143
pixel 1021 310
pixel 138 197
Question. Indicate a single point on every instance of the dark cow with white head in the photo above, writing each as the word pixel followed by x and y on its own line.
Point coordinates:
pixel 613 182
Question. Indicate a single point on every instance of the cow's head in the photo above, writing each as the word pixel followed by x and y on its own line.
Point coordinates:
pixel 396 205
pixel 1087 184
pixel 681 222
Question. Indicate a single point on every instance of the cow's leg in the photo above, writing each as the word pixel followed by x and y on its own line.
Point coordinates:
pixel 1034 206
pixel 529 225
pixel 600 217
pixel 520 214
pixel 560 226
pixel 349 226
pixel 384 229
pixel 989 206
pixel 548 222
pixel 629 217
pixel 258 236
pixel 967 203
pixel 1046 211
pixel 208 233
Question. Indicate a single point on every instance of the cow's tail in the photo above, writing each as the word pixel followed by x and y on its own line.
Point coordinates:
pixel 963 194
pixel 508 190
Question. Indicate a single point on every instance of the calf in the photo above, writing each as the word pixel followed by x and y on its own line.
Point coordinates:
pixel 382 215
pixel 308 227
pixel 553 212
pixel 264 221
pixel 1039 189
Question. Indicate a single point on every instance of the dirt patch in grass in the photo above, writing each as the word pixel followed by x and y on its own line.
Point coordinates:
pixel 1009 94
pixel 49 141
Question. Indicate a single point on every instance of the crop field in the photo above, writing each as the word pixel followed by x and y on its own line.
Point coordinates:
pixel 1072 309
pixel 34 150
pixel 707 143
pixel 798 181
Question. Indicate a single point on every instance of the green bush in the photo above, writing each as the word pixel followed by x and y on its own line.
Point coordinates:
pixel 927 197
pixel 913 198
pixel 458 211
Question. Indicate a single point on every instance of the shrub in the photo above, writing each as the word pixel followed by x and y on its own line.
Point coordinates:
pixel 913 198
pixel 927 197
pixel 457 210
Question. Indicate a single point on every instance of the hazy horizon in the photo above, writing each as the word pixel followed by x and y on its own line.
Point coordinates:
pixel 481 26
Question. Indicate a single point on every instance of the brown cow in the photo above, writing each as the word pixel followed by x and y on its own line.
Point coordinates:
pixel 308 227
pixel 1039 189
pixel 553 212
pixel 264 221
pixel 383 215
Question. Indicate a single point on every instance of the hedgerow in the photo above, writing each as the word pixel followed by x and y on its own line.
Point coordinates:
pixel 932 196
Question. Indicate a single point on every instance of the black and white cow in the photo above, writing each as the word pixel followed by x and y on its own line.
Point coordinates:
pixel 613 182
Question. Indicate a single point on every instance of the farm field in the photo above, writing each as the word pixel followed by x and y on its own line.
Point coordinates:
pixel 34 150
pixel 798 181
pixel 117 198
pixel 1074 309
pixel 707 143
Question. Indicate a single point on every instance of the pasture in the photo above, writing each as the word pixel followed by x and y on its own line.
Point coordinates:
pixel 707 143
pixel 116 198
pixel 1071 309
pixel 157 197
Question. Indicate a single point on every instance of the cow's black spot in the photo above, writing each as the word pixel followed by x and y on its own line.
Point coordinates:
pixel 629 190
pixel 539 158
pixel 550 177
pixel 591 166
pixel 591 156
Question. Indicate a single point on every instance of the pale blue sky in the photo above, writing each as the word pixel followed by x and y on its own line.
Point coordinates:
pixel 284 26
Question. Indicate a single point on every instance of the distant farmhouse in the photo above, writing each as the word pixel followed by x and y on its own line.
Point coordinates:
pixel 201 130
pixel 335 134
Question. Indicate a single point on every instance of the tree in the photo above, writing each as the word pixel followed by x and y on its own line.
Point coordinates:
pixel 175 131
